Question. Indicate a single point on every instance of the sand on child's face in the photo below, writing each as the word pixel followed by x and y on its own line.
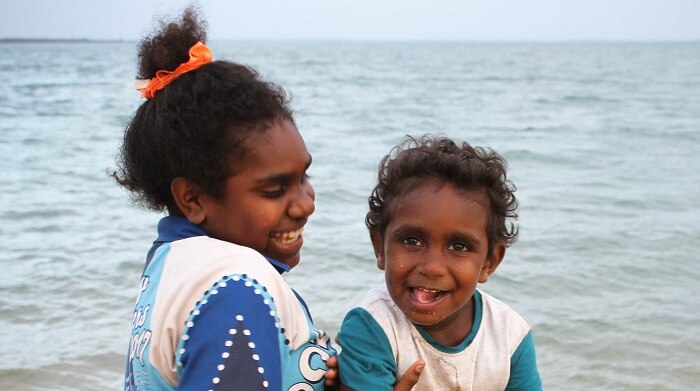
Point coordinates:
pixel 434 251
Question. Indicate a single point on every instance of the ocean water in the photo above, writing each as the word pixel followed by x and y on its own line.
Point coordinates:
pixel 603 142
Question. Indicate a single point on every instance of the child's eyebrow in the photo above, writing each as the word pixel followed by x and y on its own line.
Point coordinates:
pixel 404 230
pixel 467 238
pixel 456 236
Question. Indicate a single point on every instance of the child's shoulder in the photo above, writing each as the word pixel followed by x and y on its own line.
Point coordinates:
pixel 378 301
pixel 498 315
pixel 378 304
pixel 376 297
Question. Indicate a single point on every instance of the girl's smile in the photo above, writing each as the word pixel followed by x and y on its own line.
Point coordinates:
pixel 269 199
pixel 288 238
pixel 289 242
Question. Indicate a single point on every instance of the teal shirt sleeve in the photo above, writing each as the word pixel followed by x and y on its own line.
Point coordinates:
pixel 523 367
pixel 365 361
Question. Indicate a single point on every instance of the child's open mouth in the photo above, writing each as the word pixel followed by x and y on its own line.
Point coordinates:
pixel 426 295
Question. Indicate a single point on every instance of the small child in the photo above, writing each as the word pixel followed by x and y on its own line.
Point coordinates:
pixel 438 224
pixel 216 147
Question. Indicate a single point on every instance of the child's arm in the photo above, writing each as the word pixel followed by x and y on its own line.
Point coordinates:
pixel 523 368
pixel 366 361
pixel 411 377
pixel 406 383
pixel 331 378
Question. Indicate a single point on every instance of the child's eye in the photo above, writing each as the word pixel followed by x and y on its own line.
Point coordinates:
pixel 412 241
pixel 459 247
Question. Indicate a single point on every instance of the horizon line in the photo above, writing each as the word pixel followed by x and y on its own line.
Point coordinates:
pixel 363 40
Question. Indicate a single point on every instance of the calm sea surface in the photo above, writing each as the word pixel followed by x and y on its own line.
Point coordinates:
pixel 603 142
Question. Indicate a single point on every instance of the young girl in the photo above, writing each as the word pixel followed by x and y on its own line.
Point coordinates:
pixel 216 147
pixel 438 221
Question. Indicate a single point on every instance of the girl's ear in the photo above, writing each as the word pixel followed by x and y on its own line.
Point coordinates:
pixel 492 261
pixel 378 243
pixel 188 199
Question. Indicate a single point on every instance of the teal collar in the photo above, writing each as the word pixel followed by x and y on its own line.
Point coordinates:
pixel 478 310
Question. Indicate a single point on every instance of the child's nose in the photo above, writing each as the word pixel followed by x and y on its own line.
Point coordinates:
pixel 433 264
pixel 302 205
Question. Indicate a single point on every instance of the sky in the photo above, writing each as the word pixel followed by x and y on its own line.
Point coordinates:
pixel 364 20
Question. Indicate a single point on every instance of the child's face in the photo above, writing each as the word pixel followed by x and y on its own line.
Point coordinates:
pixel 434 250
pixel 269 200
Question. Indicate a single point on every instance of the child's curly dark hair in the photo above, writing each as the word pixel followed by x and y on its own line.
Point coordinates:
pixel 195 127
pixel 414 161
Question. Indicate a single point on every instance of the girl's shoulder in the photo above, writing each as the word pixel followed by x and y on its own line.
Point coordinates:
pixel 202 256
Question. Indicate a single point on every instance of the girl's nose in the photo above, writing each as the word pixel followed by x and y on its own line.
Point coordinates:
pixel 302 206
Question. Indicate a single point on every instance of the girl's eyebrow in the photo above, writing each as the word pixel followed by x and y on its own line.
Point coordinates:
pixel 284 177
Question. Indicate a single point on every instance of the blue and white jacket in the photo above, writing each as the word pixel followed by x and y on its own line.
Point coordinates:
pixel 212 315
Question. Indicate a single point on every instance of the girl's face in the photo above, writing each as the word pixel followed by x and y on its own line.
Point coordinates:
pixel 434 251
pixel 267 203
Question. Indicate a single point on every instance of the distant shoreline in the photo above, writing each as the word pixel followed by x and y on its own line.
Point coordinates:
pixel 58 40
pixel 418 41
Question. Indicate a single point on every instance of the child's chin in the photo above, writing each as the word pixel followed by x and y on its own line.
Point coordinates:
pixel 424 320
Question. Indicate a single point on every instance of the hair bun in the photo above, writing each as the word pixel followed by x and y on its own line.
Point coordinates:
pixel 169 44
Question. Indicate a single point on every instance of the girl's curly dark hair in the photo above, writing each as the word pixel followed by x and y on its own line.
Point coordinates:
pixel 414 161
pixel 195 127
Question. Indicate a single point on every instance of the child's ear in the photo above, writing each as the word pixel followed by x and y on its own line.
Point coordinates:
pixel 377 243
pixel 187 197
pixel 492 261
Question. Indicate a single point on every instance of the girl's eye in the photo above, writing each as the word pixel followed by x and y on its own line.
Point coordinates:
pixel 411 241
pixel 274 193
pixel 459 247
pixel 277 192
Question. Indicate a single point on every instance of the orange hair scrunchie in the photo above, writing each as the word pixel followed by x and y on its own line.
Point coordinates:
pixel 199 55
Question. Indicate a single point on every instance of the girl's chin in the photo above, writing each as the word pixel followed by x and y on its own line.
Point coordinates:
pixel 285 252
pixel 292 261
